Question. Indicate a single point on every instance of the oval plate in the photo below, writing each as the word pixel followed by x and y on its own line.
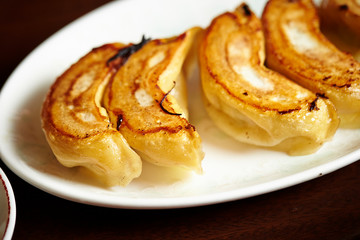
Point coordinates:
pixel 231 170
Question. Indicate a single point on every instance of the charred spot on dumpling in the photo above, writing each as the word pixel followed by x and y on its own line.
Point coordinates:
pixel 326 78
pixel 322 95
pixel 123 54
pixel 162 103
pixel 343 7
pixel 288 111
pixel 313 106
pixel 347 85
pixel 246 9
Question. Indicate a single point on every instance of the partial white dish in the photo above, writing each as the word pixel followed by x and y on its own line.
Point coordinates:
pixel 8 208
pixel 231 170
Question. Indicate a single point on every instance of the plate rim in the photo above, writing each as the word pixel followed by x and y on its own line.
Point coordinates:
pixel 180 202
pixel 202 200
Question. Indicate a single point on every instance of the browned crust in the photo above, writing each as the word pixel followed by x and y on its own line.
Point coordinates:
pixel 172 123
pixel 171 129
pixel 342 81
pixel 243 97
pixel 48 105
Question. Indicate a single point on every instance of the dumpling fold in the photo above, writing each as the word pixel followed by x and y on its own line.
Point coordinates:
pixel 296 47
pixel 121 104
pixel 252 103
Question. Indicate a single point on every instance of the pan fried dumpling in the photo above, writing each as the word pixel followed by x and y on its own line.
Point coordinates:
pixel 296 47
pixel 77 127
pixel 120 104
pixel 251 103
pixel 146 102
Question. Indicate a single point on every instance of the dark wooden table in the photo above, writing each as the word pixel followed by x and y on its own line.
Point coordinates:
pixel 325 208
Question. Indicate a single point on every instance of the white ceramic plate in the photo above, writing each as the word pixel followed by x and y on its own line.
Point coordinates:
pixel 8 208
pixel 231 170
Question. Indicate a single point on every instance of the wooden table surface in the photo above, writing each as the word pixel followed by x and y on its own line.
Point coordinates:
pixel 324 208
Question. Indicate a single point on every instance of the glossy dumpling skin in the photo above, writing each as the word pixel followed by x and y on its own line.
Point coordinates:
pixel 77 127
pixel 296 47
pixel 252 103
pixel 146 101
pixel 120 104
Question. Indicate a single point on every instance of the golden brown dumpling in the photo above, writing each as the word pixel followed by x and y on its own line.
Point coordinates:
pixel 123 97
pixel 252 103
pixel 296 48
pixel 145 101
pixel 77 128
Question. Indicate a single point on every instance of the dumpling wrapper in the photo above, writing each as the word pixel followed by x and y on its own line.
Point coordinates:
pixel 146 102
pixel 252 103
pixel 296 47
pixel 77 127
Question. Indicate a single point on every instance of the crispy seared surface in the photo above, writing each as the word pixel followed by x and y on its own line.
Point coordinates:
pixel 72 96
pixel 141 103
pixel 139 78
pixel 118 98
pixel 248 80
pixel 296 48
pixel 78 128
pixel 251 102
